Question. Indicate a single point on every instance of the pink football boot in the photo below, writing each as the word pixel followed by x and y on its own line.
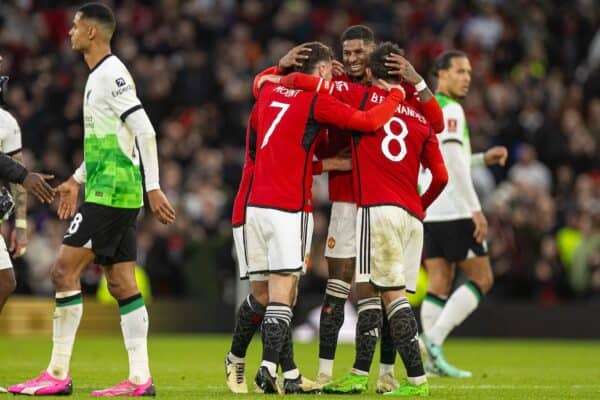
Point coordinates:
pixel 44 385
pixel 128 388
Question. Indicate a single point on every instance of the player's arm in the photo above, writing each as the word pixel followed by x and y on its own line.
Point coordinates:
pixel 126 105
pixel 12 146
pixel 497 155
pixel 35 183
pixel 328 110
pixel 18 237
pixel 432 158
pixel 424 101
pixel 269 74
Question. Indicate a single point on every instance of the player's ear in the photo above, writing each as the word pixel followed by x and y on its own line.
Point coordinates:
pixel 92 31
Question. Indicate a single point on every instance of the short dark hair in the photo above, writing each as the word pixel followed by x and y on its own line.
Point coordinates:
pixel 442 62
pixel 319 52
pixel 100 13
pixel 377 60
pixel 361 32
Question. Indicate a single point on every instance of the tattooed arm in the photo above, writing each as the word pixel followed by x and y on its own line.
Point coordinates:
pixel 18 237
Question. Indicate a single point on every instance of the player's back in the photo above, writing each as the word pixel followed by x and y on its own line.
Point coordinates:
pixel 285 137
pixel 387 161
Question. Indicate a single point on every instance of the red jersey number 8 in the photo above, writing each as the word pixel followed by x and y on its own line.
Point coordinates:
pixel 390 136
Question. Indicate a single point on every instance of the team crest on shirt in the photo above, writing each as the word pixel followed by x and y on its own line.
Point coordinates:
pixel 120 82
pixel 331 242
pixel 452 125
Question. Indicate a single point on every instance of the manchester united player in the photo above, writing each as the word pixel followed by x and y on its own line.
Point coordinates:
pixel 389 229
pixel 252 309
pixel 279 219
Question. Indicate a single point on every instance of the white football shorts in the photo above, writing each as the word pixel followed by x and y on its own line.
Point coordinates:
pixel 389 242
pixel 341 239
pixel 277 241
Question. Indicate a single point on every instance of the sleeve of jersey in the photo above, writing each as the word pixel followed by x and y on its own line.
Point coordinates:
pixel 268 71
pixel 140 125
pixel 310 83
pixel 120 94
pixel 432 159
pixel 433 113
pixel 454 122
pixel 80 174
pixel 11 170
pixel 459 171
pixel 328 110
pixel 12 141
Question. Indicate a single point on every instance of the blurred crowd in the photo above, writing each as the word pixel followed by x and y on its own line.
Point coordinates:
pixel 536 90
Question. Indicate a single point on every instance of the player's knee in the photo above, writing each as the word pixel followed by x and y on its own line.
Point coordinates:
pixel 59 275
pixel 261 297
pixel 260 291
pixel 341 268
pixel 121 289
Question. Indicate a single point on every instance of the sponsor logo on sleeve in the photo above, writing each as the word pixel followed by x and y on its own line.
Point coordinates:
pixel 120 82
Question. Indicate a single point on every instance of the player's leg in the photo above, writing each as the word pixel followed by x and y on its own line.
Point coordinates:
pixel 465 299
pixel 340 253
pixel 293 381
pixel 395 272
pixel 65 275
pixel 275 329
pixel 283 240
pixel 440 272
pixel 404 332
pixel 8 284
pixel 249 318
pixel 122 285
pixel 471 256
pixel 368 327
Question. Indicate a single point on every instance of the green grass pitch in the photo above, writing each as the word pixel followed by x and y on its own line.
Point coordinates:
pixel 191 367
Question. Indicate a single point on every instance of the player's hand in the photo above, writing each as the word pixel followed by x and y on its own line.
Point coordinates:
pixel 18 242
pixel 294 58
pixel 401 67
pixel 337 68
pixel 481 226
pixel 68 192
pixel 160 206
pixel 389 86
pixel 36 184
pixel 268 78
pixel 496 155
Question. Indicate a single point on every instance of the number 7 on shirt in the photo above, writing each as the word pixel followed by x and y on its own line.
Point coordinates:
pixel 284 107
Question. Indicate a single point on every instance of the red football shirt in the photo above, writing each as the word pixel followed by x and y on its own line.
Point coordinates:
pixel 386 162
pixel 287 126
pixel 238 215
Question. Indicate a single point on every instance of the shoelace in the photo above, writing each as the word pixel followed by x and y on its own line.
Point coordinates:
pixel 239 372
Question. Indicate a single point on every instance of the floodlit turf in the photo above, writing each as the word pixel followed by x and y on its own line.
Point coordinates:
pixel 191 367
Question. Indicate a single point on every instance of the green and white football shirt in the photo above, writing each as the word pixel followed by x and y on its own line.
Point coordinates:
pixel 112 162
pixel 458 200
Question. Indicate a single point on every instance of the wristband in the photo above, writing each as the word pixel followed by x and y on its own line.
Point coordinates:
pixel 478 160
pixel 420 86
pixel 21 223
